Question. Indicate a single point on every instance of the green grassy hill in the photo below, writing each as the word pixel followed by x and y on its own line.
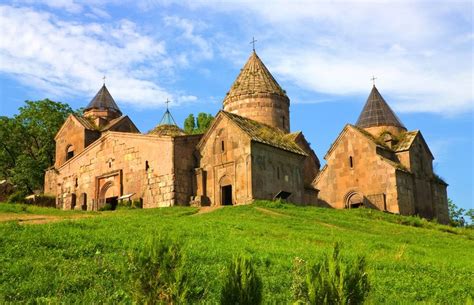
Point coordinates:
pixel 84 260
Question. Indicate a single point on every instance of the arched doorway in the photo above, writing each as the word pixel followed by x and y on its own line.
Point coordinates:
pixel 108 196
pixel 354 200
pixel 226 191
pixel 73 201
pixel 83 201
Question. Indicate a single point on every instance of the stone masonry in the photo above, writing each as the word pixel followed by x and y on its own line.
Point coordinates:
pixel 248 153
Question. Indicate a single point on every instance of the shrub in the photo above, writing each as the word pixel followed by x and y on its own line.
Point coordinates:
pixel 17 197
pixel 158 275
pixel 242 285
pixel 332 281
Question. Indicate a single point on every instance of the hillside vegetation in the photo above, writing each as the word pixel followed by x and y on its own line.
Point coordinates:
pixel 86 260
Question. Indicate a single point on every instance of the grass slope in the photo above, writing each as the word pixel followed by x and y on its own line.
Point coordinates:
pixel 85 260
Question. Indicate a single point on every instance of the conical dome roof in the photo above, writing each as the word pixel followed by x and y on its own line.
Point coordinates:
pixel 254 80
pixel 103 100
pixel 377 112
pixel 167 126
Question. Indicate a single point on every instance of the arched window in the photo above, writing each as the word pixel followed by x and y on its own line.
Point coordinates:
pixel 351 162
pixel 69 152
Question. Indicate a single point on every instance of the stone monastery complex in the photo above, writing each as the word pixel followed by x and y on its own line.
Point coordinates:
pixel 247 153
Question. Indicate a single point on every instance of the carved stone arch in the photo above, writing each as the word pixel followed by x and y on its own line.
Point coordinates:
pixel 354 199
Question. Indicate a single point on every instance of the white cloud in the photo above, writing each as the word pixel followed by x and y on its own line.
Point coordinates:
pixel 66 58
pixel 421 51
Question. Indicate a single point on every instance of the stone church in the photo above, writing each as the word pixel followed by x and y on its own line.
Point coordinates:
pixel 248 153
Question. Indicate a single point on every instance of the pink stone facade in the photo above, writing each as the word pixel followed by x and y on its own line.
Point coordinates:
pixel 248 153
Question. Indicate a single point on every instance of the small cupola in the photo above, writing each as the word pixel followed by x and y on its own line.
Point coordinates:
pixel 102 108
pixel 167 126
pixel 377 117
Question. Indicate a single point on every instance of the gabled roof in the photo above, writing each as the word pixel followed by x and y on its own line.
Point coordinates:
pixel 406 140
pixel 371 139
pixel 103 100
pixel 85 122
pixel 254 80
pixel 377 112
pixel 265 134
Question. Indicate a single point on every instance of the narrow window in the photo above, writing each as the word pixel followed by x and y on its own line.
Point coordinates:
pixel 76 183
pixel 222 146
pixel 146 165
pixel 283 122
pixel 351 164
pixel 278 172
pixel 69 152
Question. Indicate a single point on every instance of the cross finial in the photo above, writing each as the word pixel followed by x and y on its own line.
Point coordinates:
pixel 253 43
pixel 373 79
pixel 167 102
pixel 103 78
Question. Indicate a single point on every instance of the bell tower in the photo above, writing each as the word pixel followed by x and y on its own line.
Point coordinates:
pixel 256 95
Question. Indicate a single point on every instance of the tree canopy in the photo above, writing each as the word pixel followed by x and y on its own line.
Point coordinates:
pixel 27 145
pixel 197 125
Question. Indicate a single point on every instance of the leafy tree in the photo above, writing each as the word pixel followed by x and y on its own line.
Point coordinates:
pixel 456 214
pixel 199 125
pixel 204 120
pixel 189 124
pixel 27 145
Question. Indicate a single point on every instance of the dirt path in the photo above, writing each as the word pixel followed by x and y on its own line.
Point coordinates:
pixel 204 210
pixel 270 212
pixel 38 219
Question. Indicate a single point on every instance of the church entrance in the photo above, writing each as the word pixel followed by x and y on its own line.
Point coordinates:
pixel 354 200
pixel 112 201
pixel 226 195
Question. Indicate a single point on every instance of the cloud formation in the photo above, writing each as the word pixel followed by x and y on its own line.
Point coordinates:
pixel 65 58
pixel 419 50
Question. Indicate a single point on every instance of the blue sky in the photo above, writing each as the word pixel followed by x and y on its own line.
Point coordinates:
pixel 323 53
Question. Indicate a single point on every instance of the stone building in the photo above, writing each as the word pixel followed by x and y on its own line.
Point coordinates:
pixel 247 153
pixel 377 163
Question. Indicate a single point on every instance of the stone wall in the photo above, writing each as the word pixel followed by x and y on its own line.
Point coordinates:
pixel 71 134
pixel 184 164
pixel 270 110
pixel 276 170
pixel 224 159
pixel 126 163
pixel 354 172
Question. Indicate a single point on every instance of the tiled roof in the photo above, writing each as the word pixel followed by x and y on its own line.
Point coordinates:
pixel 103 100
pixel 377 112
pixel 167 130
pixel 405 141
pixel 265 134
pixel 85 122
pixel 254 80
